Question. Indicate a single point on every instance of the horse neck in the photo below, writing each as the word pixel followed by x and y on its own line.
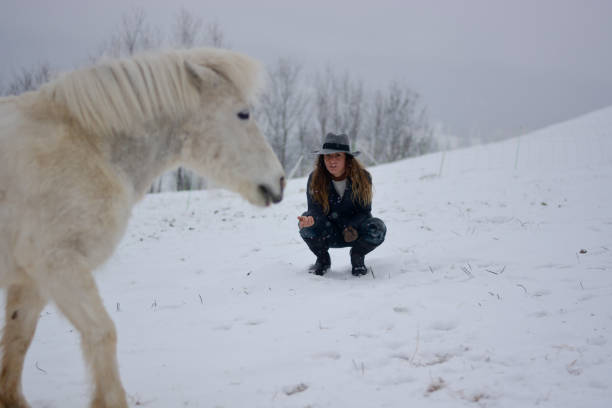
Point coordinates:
pixel 140 156
pixel 134 117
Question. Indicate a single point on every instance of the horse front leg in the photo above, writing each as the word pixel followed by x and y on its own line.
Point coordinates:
pixel 23 307
pixel 77 297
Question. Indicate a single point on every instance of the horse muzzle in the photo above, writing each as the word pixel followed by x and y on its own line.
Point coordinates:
pixel 268 193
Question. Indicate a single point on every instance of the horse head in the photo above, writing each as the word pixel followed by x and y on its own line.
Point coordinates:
pixel 223 140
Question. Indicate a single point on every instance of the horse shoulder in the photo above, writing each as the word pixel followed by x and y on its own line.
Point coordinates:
pixel 63 193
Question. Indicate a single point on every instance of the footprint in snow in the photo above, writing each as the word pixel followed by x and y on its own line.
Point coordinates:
pixel 597 341
pixel 600 385
pixel 401 309
pixel 255 322
pixel 331 355
pixel 444 325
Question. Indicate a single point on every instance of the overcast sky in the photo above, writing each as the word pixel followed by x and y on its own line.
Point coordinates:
pixel 482 66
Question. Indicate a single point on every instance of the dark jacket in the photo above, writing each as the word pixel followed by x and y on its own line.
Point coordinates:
pixel 343 211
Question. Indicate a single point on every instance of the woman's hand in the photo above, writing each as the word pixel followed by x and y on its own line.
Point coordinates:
pixel 305 222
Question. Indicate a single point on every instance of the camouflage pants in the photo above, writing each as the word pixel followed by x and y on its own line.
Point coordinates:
pixel 319 238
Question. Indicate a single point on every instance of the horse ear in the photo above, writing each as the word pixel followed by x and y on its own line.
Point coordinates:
pixel 200 75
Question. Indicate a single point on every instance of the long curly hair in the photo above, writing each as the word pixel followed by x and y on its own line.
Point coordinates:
pixel 360 182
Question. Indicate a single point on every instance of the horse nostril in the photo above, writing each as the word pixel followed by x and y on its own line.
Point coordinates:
pixel 267 193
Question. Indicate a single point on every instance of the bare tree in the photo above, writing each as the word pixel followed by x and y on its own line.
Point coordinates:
pixel 133 35
pixel 306 137
pixel 215 36
pixel 324 91
pixel 339 103
pixel 282 104
pixel 424 137
pixel 377 123
pixel 355 107
pixel 187 29
pixel 28 79
pixel 398 124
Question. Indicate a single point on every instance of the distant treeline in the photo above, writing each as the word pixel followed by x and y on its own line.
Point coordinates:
pixel 296 109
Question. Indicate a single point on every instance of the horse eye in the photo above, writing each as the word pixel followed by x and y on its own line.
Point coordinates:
pixel 244 115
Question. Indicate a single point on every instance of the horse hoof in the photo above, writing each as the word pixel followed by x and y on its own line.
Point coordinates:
pixel 102 401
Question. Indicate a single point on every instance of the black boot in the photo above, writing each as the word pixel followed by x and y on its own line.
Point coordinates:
pixel 357 261
pixel 322 264
pixel 358 253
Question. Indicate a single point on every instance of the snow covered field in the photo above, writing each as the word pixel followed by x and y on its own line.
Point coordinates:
pixel 493 288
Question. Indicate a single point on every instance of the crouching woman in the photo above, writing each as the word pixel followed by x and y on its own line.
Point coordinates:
pixel 339 194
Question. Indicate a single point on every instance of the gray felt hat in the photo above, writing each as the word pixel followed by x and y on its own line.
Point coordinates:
pixel 336 144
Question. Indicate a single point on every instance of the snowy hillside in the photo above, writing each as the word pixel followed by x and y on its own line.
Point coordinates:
pixel 493 288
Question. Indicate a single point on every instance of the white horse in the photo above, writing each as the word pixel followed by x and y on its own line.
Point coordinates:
pixel 77 155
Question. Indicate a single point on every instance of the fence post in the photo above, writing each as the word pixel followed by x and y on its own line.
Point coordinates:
pixel 518 147
pixel 441 163
pixel 292 172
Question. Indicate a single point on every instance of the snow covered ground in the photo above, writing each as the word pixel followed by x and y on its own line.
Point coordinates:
pixel 493 288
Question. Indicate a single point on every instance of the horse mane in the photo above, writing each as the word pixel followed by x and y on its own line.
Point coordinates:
pixel 116 94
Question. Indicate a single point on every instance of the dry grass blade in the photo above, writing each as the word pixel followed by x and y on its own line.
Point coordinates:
pixel 301 387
